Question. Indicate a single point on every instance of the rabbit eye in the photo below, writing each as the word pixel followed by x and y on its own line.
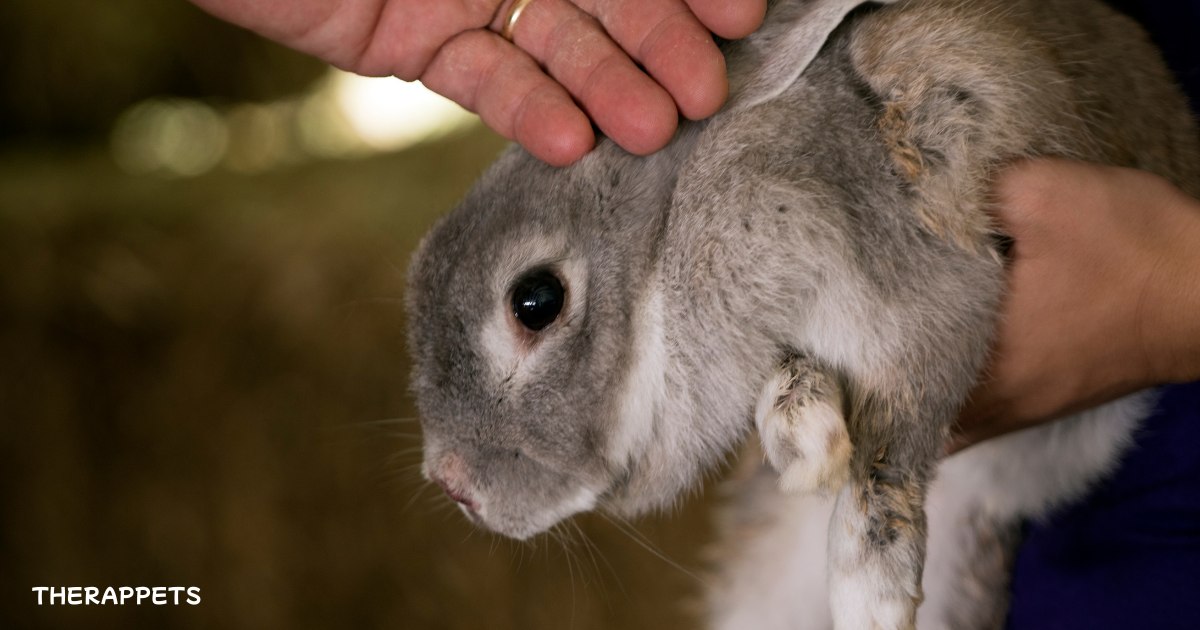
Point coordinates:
pixel 537 300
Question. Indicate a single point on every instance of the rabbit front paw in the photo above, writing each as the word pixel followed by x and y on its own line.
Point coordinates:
pixel 802 427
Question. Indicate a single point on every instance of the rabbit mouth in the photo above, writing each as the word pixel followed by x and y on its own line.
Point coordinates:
pixel 528 523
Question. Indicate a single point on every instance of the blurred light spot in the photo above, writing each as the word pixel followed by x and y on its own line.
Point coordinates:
pixel 260 137
pixel 323 128
pixel 174 137
pixel 343 116
pixel 390 114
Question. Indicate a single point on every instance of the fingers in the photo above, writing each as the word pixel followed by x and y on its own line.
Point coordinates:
pixel 730 19
pixel 407 35
pixel 482 72
pixel 673 46
pixel 628 106
pixel 593 59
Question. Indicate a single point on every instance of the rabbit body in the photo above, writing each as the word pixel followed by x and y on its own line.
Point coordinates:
pixel 817 261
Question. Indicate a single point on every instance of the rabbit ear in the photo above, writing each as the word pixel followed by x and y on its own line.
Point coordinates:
pixel 764 64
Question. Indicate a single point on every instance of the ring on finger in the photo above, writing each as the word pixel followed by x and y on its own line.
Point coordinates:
pixel 510 21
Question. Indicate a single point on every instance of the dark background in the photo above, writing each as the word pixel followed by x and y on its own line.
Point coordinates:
pixel 203 380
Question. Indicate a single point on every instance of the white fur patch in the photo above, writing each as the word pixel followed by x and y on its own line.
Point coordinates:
pixel 645 389
pixel 807 443
pixel 779 582
pixel 582 501
pixel 497 340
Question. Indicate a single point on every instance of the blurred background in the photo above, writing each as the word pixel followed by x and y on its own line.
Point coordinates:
pixel 203 239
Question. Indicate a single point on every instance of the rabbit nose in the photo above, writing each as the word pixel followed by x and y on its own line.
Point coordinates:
pixel 458 495
pixel 452 477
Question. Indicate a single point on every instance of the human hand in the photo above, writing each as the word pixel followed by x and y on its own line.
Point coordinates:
pixel 1104 294
pixel 570 60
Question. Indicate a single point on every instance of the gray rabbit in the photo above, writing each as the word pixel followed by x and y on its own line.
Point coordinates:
pixel 815 262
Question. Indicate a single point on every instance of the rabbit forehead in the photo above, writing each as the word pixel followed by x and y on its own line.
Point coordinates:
pixel 528 251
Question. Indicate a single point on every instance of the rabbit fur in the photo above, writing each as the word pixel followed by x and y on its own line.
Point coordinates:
pixel 815 262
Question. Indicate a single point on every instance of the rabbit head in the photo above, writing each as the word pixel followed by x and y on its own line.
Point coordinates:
pixel 521 321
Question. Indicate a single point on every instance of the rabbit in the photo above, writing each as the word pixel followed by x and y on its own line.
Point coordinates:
pixel 815 264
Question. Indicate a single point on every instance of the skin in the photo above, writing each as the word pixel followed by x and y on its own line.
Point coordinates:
pixel 1103 294
pixel 630 66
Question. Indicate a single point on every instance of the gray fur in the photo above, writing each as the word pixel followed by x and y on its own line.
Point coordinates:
pixel 842 218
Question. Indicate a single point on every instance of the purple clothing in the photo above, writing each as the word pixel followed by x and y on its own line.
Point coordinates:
pixel 1128 555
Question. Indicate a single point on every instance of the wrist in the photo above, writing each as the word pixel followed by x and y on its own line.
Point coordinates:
pixel 1169 308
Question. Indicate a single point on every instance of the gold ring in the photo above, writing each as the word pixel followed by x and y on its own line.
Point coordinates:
pixel 510 22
